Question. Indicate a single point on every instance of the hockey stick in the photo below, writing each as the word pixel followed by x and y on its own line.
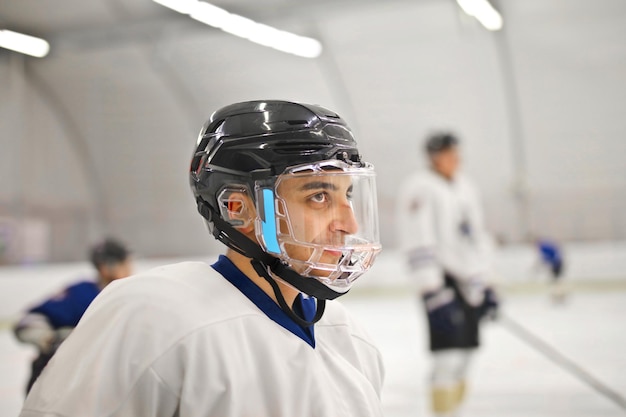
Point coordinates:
pixel 558 358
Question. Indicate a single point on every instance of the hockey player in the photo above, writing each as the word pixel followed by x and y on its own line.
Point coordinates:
pixel 46 325
pixel 448 253
pixel 551 258
pixel 256 333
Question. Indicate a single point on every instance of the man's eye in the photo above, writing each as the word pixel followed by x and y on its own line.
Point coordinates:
pixel 319 198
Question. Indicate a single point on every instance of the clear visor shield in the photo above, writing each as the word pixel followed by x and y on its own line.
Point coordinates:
pixel 325 221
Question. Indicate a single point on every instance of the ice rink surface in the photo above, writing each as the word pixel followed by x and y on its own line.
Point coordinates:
pixel 509 376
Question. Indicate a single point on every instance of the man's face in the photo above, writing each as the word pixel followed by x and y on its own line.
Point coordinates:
pixel 113 271
pixel 446 162
pixel 319 209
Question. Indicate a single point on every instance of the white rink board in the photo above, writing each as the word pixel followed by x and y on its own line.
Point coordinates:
pixel 23 285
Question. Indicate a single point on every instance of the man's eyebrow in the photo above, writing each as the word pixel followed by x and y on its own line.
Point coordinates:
pixel 316 185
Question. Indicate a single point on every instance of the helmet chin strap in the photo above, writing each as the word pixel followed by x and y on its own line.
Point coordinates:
pixel 266 265
pixel 264 272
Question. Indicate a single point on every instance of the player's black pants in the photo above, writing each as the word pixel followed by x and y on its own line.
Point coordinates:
pixel 455 324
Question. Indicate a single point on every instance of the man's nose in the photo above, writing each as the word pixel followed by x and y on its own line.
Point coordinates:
pixel 344 220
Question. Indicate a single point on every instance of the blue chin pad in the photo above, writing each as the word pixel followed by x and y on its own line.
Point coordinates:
pixel 268 222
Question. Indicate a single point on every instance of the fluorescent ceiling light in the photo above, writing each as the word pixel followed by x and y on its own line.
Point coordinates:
pixel 24 44
pixel 483 11
pixel 181 6
pixel 246 28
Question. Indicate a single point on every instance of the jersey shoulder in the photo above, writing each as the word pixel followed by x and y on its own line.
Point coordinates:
pixel 84 287
pixel 464 181
pixel 421 184
pixel 190 293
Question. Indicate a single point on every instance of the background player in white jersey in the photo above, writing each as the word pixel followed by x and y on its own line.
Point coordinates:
pixel 255 334
pixel 448 253
pixel 48 323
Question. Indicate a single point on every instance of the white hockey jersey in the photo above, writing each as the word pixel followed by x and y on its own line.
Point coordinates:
pixel 182 341
pixel 441 229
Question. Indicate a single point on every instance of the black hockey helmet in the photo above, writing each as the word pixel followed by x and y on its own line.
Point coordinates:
pixel 440 141
pixel 247 141
pixel 107 252
pixel 247 147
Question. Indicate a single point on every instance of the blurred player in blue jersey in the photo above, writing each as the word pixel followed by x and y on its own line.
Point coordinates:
pixel 46 325
pixel 448 254
pixel 257 332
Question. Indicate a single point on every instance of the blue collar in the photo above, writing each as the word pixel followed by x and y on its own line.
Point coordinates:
pixel 304 307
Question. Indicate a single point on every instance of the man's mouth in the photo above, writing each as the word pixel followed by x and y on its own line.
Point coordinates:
pixel 332 256
pixel 334 253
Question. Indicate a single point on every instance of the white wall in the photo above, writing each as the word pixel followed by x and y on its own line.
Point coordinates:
pixel 96 138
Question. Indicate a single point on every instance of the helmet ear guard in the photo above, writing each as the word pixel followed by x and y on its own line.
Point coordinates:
pixel 236 207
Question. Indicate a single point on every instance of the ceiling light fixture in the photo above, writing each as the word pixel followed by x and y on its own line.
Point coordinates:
pixel 483 11
pixel 246 28
pixel 24 44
